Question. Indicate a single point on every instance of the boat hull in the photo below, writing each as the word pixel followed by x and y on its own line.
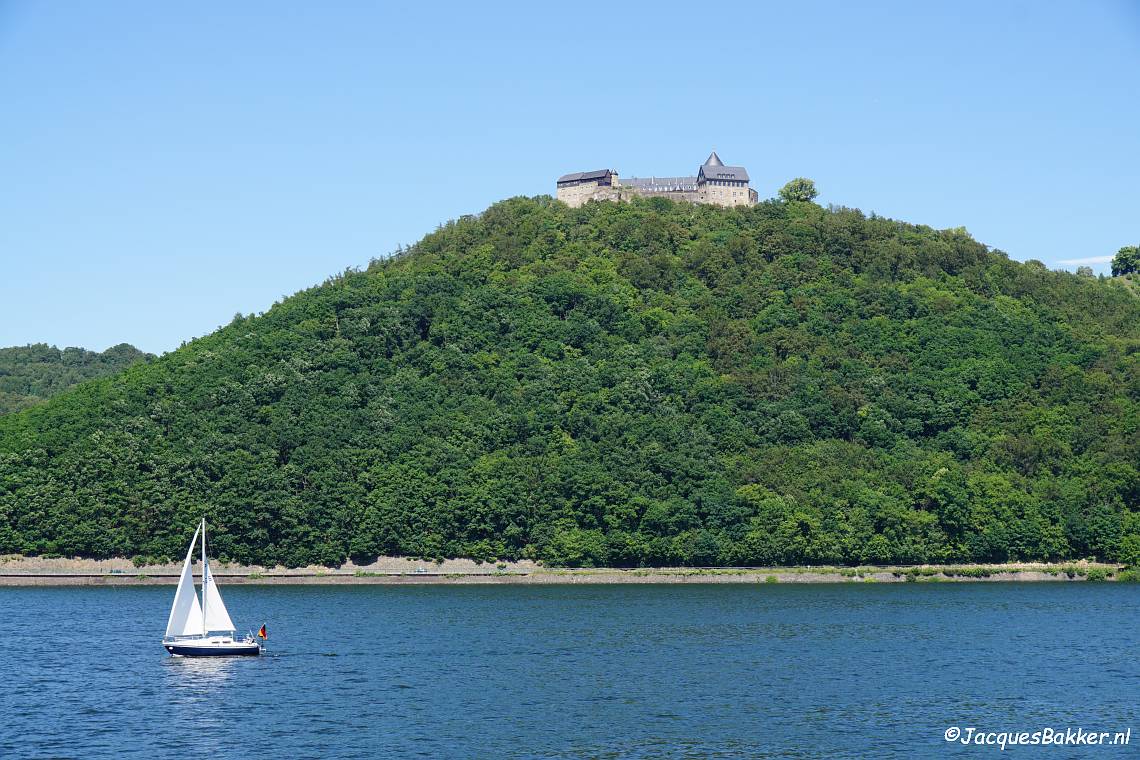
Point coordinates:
pixel 235 649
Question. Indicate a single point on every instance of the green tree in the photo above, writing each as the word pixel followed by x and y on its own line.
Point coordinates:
pixel 1130 551
pixel 1126 260
pixel 799 189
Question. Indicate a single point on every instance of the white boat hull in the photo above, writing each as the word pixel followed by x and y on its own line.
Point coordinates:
pixel 212 648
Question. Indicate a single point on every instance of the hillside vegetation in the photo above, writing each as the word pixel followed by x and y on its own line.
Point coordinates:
pixel 31 374
pixel 620 384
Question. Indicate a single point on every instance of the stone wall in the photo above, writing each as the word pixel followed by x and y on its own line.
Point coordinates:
pixel 717 195
pixel 724 195
pixel 576 195
pixel 673 195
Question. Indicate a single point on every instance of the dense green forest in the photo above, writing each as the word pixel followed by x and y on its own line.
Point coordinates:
pixel 621 384
pixel 31 374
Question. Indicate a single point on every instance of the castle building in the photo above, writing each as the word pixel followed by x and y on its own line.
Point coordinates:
pixel 715 184
pixel 577 188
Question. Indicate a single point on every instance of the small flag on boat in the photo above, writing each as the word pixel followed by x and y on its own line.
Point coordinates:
pixel 262 633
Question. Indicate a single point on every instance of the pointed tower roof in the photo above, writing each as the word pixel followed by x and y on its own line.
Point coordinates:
pixel 714 169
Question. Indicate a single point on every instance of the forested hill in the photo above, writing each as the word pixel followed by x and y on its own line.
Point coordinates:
pixel 30 374
pixel 625 384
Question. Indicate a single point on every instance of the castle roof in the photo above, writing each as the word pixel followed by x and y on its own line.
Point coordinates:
pixel 584 176
pixel 722 172
pixel 713 160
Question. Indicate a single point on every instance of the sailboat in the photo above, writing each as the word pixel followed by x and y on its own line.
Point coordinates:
pixel 202 630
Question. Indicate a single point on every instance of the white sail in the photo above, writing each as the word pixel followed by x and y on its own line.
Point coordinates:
pixel 214 614
pixel 185 613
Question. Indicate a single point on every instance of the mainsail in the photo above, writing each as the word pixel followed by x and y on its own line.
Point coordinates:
pixel 186 614
pixel 214 614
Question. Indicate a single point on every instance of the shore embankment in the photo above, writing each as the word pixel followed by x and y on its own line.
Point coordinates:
pixel 17 570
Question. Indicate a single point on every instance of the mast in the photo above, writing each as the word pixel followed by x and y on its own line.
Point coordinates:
pixel 214 614
pixel 205 576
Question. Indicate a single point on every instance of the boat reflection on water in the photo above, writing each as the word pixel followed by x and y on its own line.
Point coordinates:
pixel 206 673
pixel 197 679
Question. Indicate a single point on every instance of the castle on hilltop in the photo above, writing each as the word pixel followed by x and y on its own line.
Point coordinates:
pixel 715 183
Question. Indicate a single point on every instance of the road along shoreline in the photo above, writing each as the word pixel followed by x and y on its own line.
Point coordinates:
pixel 37 571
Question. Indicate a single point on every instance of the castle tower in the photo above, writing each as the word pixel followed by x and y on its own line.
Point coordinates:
pixel 723 185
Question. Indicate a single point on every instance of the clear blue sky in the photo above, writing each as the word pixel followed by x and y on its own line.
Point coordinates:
pixel 163 166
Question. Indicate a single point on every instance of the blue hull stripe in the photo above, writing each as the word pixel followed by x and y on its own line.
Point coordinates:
pixel 193 651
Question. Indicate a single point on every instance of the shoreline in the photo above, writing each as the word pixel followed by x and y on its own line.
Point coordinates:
pixel 36 571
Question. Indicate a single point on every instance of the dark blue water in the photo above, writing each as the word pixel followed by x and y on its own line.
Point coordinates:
pixel 569 672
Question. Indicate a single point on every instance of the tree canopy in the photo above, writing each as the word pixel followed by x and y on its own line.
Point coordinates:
pixel 638 383
pixel 799 189
pixel 1126 261
pixel 33 373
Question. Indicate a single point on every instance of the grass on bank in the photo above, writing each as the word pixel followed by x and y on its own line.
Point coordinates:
pixel 1086 571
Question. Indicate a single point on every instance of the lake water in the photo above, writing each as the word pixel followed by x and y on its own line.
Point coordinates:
pixel 575 672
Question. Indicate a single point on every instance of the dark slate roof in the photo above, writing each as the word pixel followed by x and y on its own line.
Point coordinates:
pixel 577 176
pixel 713 160
pixel 734 173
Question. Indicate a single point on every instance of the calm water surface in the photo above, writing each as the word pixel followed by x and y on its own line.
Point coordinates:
pixel 569 672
